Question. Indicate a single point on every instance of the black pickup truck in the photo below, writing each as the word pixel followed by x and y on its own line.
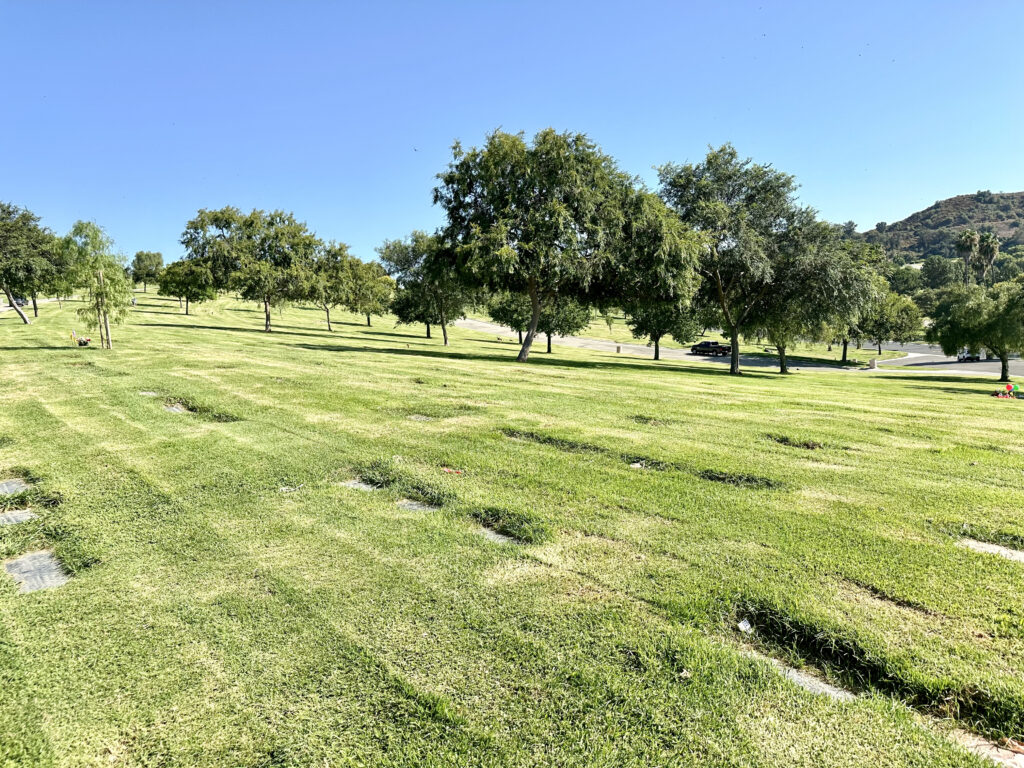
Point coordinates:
pixel 715 348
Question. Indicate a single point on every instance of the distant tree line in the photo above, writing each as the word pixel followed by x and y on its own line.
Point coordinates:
pixel 544 233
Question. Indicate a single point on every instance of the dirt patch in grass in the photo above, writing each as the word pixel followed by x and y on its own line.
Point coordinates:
pixel 998 712
pixel 520 525
pixel 438 410
pixel 809 445
pixel 738 479
pixel 6 441
pixel 556 442
pixel 649 421
pixel 184 404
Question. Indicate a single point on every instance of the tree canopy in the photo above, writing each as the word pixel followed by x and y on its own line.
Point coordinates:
pixel 24 248
pixel 189 279
pixel 744 210
pixel 146 267
pixel 102 274
pixel 428 290
pixel 975 317
pixel 536 218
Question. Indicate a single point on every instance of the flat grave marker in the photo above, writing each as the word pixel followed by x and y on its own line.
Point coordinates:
pixel 16 516
pixel 358 485
pixel 36 570
pixel 12 486
pixel 992 549
pixel 497 538
pixel 416 506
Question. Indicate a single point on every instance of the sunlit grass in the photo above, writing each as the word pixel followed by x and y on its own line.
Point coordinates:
pixel 234 604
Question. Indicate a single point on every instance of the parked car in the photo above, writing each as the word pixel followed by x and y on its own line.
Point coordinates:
pixel 966 356
pixel 714 348
pixel 20 301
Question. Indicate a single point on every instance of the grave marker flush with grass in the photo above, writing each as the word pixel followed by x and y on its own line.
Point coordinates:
pixel 36 570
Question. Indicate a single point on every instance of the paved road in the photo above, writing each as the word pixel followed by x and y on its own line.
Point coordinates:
pixel 920 358
pixel 642 350
pixel 928 358
pixel 27 309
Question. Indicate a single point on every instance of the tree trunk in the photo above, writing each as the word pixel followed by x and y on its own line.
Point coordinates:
pixel 179 302
pixel 657 347
pixel 444 322
pixel 783 363
pixel 1004 366
pixel 60 304
pixel 879 347
pixel 368 320
pixel 428 330
pixel 846 345
pixel 186 305
pixel 15 307
pixel 35 306
pixel 103 310
pixel 734 357
pixel 520 337
pixel 549 343
pixel 524 353
pixel 144 288
pixel 266 314
pixel 328 311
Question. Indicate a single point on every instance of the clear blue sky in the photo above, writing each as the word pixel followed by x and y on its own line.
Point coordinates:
pixel 136 114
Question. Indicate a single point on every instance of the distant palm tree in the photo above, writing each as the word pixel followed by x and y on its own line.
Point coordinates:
pixel 988 250
pixel 966 245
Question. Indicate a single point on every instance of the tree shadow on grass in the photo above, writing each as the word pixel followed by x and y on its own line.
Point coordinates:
pixel 613 363
pixel 277 331
pixel 158 312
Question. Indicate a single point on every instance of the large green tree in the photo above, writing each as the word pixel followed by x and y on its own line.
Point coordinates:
pixel 891 317
pixel 818 283
pixel 265 256
pixel 429 291
pixel 535 218
pixel 215 237
pixel 654 320
pixel 146 267
pixel 189 279
pixel 656 272
pixel 24 248
pixel 103 276
pixel 372 290
pixel 565 316
pixel 744 210
pixel 976 317
pixel 332 278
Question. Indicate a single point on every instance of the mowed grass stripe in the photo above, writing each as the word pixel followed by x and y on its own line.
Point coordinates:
pixel 689 549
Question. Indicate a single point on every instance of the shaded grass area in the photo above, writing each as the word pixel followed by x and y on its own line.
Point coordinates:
pixel 213 619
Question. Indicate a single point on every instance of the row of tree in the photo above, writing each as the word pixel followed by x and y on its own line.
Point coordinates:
pixel 34 261
pixel 545 232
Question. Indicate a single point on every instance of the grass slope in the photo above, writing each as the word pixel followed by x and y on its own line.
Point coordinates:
pixel 233 604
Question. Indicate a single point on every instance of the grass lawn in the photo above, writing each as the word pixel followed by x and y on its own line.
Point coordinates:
pixel 232 603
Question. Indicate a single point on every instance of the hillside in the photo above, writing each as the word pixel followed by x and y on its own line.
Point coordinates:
pixel 932 230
